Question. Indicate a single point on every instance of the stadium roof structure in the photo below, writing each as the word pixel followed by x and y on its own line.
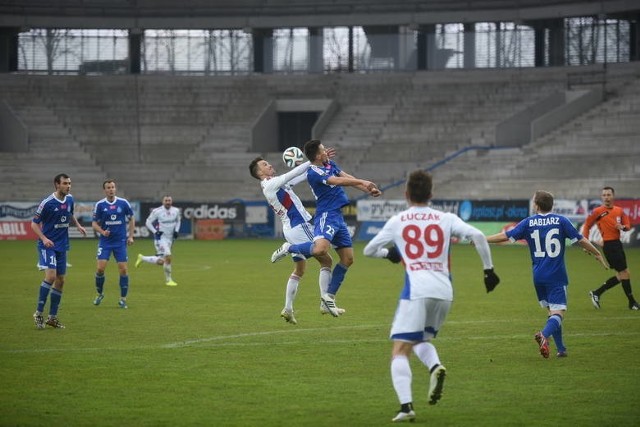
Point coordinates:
pixel 221 14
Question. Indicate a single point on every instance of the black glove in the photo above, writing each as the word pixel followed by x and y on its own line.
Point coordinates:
pixel 491 279
pixel 394 255
pixel 159 234
pixel 175 234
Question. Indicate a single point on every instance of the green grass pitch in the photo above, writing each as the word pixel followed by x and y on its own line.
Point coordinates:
pixel 213 351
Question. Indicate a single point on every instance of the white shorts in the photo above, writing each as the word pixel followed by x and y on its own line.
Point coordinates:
pixel 301 233
pixel 163 246
pixel 419 320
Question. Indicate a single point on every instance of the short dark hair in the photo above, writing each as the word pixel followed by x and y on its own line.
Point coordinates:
pixel 253 167
pixel 311 149
pixel 609 188
pixel 58 178
pixel 419 186
pixel 544 200
pixel 106 181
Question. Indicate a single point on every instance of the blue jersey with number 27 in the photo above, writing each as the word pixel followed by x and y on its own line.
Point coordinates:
pixel 545 234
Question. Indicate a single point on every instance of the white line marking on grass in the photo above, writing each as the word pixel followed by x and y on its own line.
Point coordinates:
pixel 257 334
pixel 194 268
pixel 215 340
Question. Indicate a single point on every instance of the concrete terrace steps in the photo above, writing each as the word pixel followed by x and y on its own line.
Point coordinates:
pixel 387 124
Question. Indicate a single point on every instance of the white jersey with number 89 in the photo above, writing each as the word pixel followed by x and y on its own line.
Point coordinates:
pixel 423 237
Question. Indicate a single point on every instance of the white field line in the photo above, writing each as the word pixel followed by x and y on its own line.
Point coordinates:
pixel 224 340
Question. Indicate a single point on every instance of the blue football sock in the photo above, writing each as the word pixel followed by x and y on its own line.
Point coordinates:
pixel 124 286
pixel 99 283
pixel 56 296
pixel 43 293
pixel 557 332
pixel 553 326
pixel 336 278
pixel 302 248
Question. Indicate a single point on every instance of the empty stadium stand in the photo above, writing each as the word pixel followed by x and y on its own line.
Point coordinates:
pixel 596 149
pixel 191 136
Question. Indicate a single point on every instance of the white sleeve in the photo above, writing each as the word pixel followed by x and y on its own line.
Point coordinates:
pixel 149 221
pixel 462 229
pixel 298 179
pixel 178 223
pixel 376 247
pixel 280 180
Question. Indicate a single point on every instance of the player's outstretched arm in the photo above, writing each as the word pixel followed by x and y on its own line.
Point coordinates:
pixel 346 180
pixel 292 177
pixel 498 238
pixel 481 243
pixel 590 249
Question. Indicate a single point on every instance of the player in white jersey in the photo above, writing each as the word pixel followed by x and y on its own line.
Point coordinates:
pixel 295 225
pixel 327 180
pixel 421 237
pixel 164 223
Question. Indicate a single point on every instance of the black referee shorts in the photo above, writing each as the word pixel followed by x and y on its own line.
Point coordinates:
pixel 614 253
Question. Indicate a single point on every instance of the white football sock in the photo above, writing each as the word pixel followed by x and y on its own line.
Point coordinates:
pixel 324 279
pixel 292 289
pixel 401 378
pixel 151 259
pixel 427 354
pixel 167 271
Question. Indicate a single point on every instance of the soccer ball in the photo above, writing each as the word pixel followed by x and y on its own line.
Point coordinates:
pixel 292 156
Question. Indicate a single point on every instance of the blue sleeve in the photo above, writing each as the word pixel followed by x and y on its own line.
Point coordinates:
pixel 335 167
pixel 569 230
pixel 95 216
pixel 518 232
pixel 314 178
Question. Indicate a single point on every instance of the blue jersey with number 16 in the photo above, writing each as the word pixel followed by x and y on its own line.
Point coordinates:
pixel 545 234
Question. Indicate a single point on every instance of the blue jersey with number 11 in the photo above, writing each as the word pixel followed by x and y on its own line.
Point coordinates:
pixel 545 234
pixel 55 217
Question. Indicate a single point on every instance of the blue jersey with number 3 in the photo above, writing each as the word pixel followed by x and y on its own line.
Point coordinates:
pixel 113 216
pixel 545 234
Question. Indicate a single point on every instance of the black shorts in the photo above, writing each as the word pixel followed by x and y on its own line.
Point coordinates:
pixel 614 253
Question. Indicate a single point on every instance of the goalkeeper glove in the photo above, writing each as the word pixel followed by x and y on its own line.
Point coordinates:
pixel 159 234
pixel 394 255
pixel 491 279
pixel 175 234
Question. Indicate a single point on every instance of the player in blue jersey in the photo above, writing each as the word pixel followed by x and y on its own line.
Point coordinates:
pixel 326 180
pixel 545 233
pixel 114 221
pixel 295 225
pixel 51 225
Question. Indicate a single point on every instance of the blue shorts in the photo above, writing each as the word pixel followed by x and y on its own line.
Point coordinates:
pixel 119 253
pixel 331 226
pixel 553 297
pixel 50 258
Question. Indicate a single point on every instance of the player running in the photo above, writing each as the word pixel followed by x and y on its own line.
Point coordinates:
pixel 421 237
pixel 164 223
